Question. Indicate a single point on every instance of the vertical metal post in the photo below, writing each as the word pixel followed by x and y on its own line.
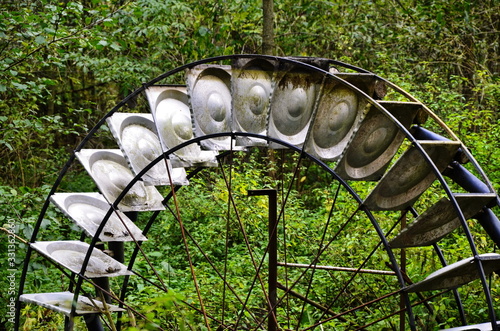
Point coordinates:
pixel 102 282
pixel 402 303
pixel 117 248
pixel 93 322
pixel 272 324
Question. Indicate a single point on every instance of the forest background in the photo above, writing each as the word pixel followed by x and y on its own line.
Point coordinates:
pixel 64 64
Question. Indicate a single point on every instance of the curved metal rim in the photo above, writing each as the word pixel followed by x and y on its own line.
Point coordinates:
pixel 286 60
pixel 290 147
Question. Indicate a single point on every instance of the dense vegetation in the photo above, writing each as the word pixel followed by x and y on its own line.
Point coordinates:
pixel 64 64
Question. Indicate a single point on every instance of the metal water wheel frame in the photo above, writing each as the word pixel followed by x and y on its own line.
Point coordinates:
pixel 263 85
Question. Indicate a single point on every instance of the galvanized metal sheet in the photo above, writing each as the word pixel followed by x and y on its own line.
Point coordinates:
pixel 410 176
pixel 70 254
pixel 251 86
pixel 292 105
pixel 473 327
pixel 364 82
pixel 209 92
pixel 61 302
pixel 457 274
pixel 136 135
pixel 340 110
pixel 170 109
pixel 376 141
pixel 440 220
pixel 88 210
pixel 108 168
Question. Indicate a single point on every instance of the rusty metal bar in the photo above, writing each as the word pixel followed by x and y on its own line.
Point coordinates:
pixel 309 301
pixel 326 267
pixel 402 266
pixel 273 253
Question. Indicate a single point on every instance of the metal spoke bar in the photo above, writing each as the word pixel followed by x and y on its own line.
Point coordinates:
pixel 320 246
pixel 103 290
pixel 273 252
pixel 309 301
pixel 186 247
pixel 353 309
pixel 122 302
pixel 249 248
pixel 216 270
pixel 228 218
pixel 316 258
pixel 360 268
pixel 424 301
pixel 326 267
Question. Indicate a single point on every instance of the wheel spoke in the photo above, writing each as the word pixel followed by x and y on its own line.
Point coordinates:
pixel 220 274
pixel 285 245
pixel 186 247
pixel 228 218
pixel 318 254
pixel 247 244
pixel 356 273
pixel 316 133
pixel 137 244
pixel 352 309
pixel 320 246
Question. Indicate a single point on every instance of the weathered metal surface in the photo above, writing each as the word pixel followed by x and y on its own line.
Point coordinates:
pixel 109 170
pixel 292 105
pixel 321 63
pixel 251 87
pixel 457 274
pixel 410 176
pixel 272 259
pixel 170 109
pixel 71 254
pixel 439 220
pixel 362 81
pixel 332 268
pixel 475 327
pixel 209 92
pixel 376 142
pixel 61 302
pixel 339 112
pixel 88 210
pixel 136 135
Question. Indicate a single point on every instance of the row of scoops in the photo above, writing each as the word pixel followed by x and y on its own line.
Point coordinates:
pixel 339 118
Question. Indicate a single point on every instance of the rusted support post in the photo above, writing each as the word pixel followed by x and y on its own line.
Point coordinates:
pixel 402 303
pixel 273 254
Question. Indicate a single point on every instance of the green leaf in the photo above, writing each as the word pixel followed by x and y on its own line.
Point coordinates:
pixel 49 82
pixel 9 146
pixel 203 30
pixel 20 86
pixel 40 40
pixel 116 46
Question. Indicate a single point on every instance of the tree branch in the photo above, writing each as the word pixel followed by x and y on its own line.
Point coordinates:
pixel 71 35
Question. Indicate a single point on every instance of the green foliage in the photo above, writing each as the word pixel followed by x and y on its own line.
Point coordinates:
pixel 64 64
pixel 20 207
pixel 215 220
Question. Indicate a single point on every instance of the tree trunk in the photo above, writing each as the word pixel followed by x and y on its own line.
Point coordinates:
pixel 268 27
